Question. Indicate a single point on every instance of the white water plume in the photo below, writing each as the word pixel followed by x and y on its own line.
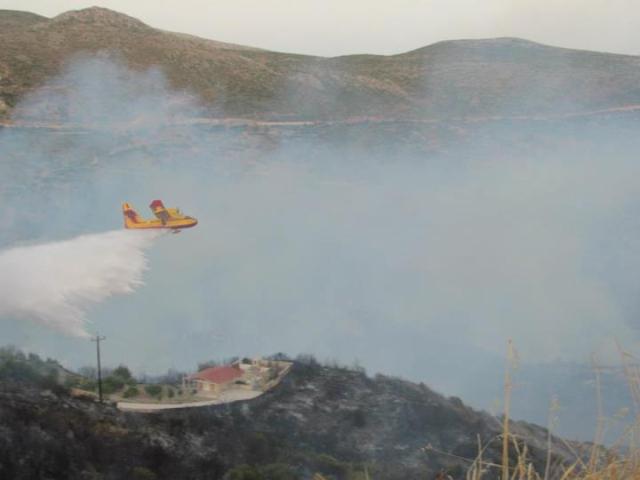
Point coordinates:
pixel 55 283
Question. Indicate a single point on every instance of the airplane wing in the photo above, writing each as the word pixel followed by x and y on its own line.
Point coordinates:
pixel 161 213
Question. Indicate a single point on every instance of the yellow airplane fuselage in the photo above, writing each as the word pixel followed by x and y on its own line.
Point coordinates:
pixel 167 218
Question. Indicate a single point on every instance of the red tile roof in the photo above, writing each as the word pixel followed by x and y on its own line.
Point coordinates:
pixel 217 374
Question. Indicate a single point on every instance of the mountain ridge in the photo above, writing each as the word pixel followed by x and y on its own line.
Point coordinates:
pixel 454 78
pixel 99 15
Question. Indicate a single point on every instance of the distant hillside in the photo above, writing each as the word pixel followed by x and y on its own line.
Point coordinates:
pixel 467 78
pixel 330 420
pixel 17 19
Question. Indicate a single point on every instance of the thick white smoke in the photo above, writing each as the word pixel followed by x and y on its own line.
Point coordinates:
pixel 54 283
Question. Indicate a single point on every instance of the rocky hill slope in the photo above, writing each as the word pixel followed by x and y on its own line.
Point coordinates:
pixel 467 78
pixel 319 419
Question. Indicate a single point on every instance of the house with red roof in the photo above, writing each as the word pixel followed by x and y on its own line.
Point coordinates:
pixel 214 379
pixel 246 375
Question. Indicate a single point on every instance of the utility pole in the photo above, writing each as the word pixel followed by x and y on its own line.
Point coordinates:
pixel 507 407
pixel 97 339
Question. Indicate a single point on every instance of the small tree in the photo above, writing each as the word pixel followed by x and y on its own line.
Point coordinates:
pixel 307 360
pixel 123 373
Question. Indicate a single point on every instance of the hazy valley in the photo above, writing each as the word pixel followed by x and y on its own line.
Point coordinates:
pixel 407 213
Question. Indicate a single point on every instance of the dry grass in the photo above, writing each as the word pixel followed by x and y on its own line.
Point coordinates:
pixel 619 462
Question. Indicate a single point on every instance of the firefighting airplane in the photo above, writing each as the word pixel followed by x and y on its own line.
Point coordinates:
pixel 167 218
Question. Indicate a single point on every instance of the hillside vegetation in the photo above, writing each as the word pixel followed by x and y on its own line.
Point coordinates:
pixel 467 78
pixel 330 420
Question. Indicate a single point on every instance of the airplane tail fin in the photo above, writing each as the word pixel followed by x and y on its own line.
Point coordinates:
pixel 131 217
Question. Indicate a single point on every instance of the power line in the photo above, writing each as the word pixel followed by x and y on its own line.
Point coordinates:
pixel 97 339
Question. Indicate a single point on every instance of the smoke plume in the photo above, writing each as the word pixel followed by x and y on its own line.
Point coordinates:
pixel 55 283
pixel 337 242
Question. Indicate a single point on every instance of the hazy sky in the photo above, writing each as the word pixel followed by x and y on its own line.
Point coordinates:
pixel 338 27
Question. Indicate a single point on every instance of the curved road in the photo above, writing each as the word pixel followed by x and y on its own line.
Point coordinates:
pixel 225 397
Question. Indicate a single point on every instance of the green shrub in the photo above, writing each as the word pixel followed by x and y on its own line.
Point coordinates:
pixel 142 473
pixel 112 384
pixel 153 390
pixel 16 366
pixel 131 392
pixel 244 472
pixel 170 392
